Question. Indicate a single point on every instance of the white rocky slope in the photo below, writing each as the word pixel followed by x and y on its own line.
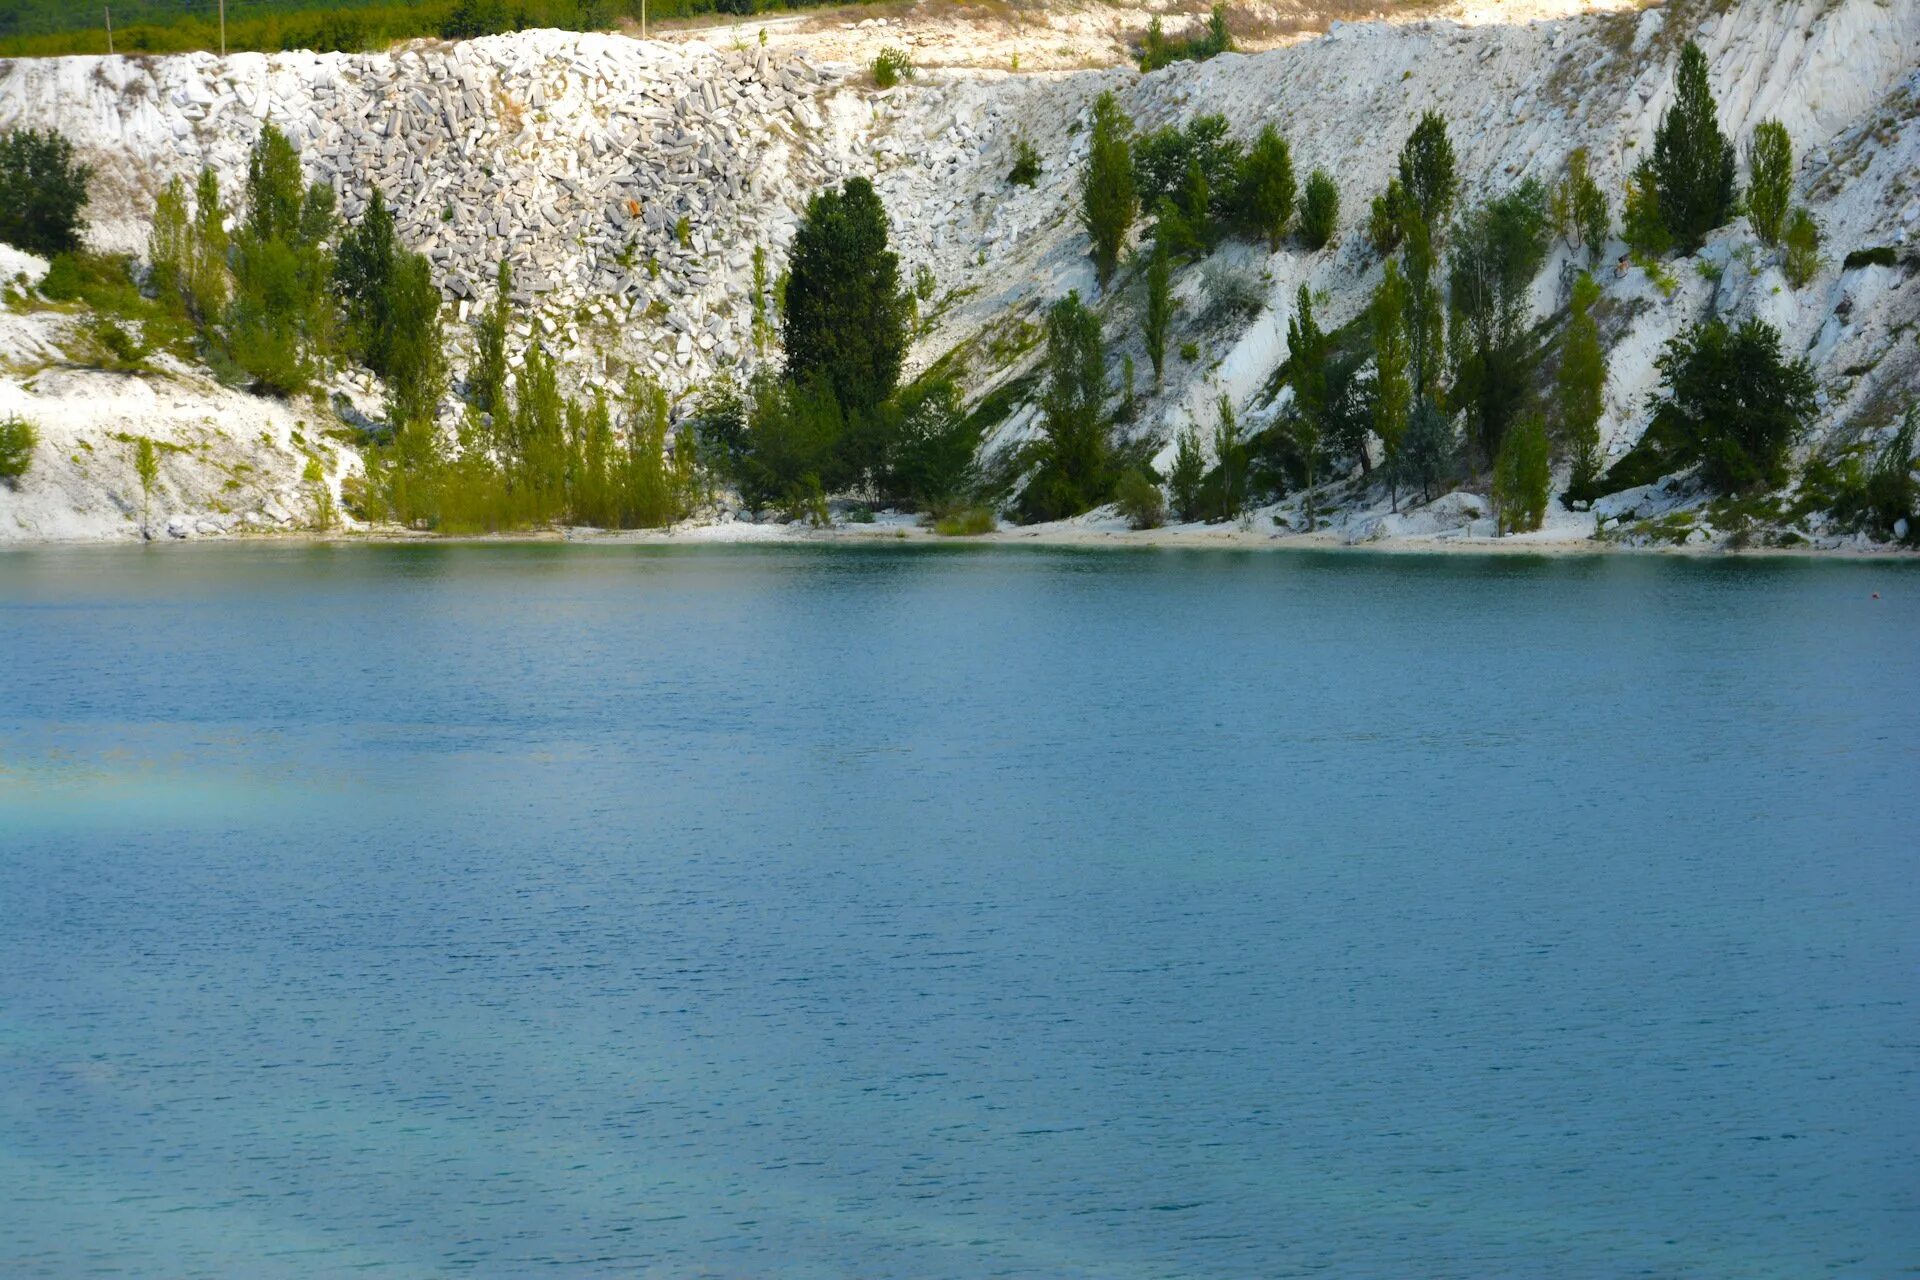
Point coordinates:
pixel 578 155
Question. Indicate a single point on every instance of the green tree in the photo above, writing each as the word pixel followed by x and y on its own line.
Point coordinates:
pixel 170 240
pixel 1387 219
pixel 1074 472
pixel 1733 403
pixel 1195 207
pixel 1161 160
pixel 1770 180
pixel 1159 314
pixel 1498 249
pixel 1426 319
pixel 206 284
pixel 1579 207
pixel 146 468
pixel 1426 454
pixel 1308 352
pixel 1642 223
pixel 487 378
pixel 43 190
pixel 1692 160
pixel 279 322
pixel 1522 475
pixel 1231 463
pixel 844 321
pixel 273 191
pixel 792 443
pixel 537 451
pixel 416 371
pixel 363 277
pixel 1319 211
pixel 1188 473
pixel 1392 383
pixel 934 441
pixel 1426 170
pixel 1580 387
pixel 759 304
pixel 650 492
pixel 1108 203
pixel 1267 187
pixel 17 441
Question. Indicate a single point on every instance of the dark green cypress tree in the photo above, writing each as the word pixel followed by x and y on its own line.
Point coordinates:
pixel 844 321
pixel 1692 160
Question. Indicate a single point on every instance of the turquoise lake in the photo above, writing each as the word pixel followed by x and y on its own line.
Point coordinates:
pixel 606 911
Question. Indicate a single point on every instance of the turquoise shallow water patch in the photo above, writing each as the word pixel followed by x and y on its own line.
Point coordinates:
pixel 480 910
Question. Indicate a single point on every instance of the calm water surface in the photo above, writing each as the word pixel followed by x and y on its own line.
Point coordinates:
pixel 483 911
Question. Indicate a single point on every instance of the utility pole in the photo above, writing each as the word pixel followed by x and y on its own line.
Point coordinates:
pixel 108 10
pixel 223 28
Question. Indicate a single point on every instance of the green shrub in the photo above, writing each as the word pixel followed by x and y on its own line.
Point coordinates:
pixel 42 191
pixel 1139 498
pixel 1386 220
pixel 1802 239
pixel 1159 51
pixel 1026 163
pixel 18 438
pixel 469 19
pixel 1867 495
pixel 1879 256
pixel 279 324
pixel 891 66
pixel 1224 495
pixel 791 441
pixel 1319 211
pixel 965 522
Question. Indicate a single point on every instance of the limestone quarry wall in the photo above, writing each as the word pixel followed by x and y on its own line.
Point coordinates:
pixel 577 157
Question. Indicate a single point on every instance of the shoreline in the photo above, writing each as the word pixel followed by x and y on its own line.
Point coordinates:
pixel 1070 537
